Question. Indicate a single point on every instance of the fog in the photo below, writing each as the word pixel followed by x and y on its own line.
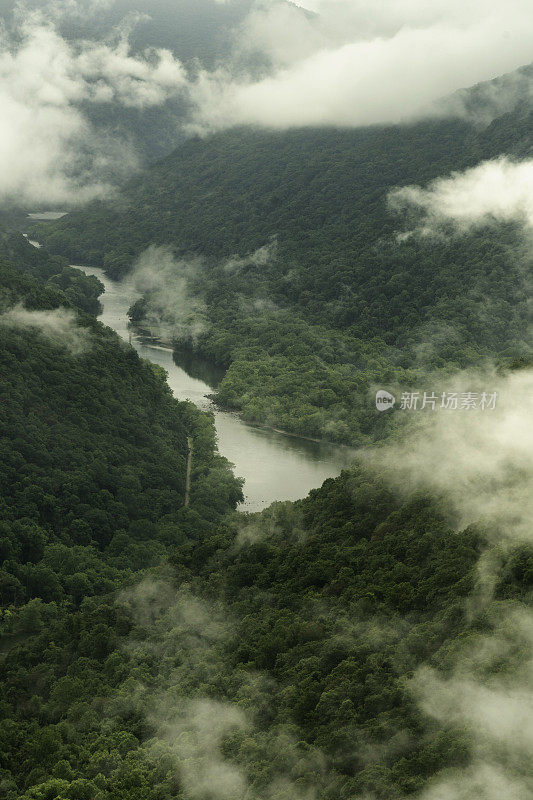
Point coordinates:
pixel 59 326
pixel 192 717
pixel 481 461
pixel 348 64
pixel 498 190
pixel 351 63
pixel 174 311
pixel 50 151
pixel 358 63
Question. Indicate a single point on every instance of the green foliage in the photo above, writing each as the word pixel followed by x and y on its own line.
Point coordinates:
pixel 312 300
pixel 121 607
pixel 93 452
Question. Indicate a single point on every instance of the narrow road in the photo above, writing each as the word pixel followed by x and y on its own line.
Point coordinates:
pixel 188 475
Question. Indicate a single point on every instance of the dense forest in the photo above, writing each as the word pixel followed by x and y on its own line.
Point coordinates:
pixel 93 463
pixel 372 640
pixel 154 649
pixel 294 277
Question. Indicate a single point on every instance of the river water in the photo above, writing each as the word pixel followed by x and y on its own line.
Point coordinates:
pixel 275 466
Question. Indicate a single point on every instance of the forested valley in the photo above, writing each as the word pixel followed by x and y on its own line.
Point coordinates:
pixel 154 650
pixel 300 278
pixel 372 640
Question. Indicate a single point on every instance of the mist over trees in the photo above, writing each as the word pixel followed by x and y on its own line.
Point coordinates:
pixel 314 213
pixel 164 651
pixel 314 288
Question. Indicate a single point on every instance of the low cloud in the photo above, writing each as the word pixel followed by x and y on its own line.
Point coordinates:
pixel 174 311
pixel 490 695
pixel 499 190
pixel 493 193
pixel 481 464
pixel 481 461
pixel 258 259
pixel 195 731
pixel 203 704
pixel 50 151
pixel 357 64
pixel 351 64
pixel 59 326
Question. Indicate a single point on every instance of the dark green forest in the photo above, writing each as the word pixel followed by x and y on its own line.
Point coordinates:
pixel 156 650
pixel 310 299
pixel 93 461
pixel 157 643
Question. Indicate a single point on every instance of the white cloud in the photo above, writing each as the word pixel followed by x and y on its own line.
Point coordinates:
pixel 281 32
pixel 112 74
pixel 500 190
pixel 174 311
pixel 482 461
pixel 493 705
pixel 195 733
pixel 366 19
pixel 58 326
pixel 355 63
pixel 481 464
pixel 49 151
pixel 361 64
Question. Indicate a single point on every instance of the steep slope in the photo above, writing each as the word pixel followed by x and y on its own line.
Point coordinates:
pixel 93 453
pixel 191 29
pixel 278 651
pixel 70 386
pixel 321 192
pixel 309 296
pixel 151 650
pixel 199 33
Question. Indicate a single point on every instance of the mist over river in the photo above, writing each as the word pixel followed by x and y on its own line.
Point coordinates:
pixel 275 466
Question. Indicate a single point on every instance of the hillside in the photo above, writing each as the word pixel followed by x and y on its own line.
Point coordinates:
pixel 191 29
pixel 198 33
pixel 310 298
pixel 153 650
pixel 93 452
pixel 266 454
pixel 147 648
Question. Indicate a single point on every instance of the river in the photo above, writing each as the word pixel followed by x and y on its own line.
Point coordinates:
pixel 274 465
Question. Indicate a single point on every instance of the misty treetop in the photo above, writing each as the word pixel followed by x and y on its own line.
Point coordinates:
pixel 374 639
pixel 309 296
pixel 150 648
pixel 93 452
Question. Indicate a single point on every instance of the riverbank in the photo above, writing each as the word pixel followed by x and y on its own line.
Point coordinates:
pixel 156 342
pixel 275 465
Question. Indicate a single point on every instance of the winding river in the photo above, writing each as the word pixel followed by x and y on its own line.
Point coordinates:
pixel 274 465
